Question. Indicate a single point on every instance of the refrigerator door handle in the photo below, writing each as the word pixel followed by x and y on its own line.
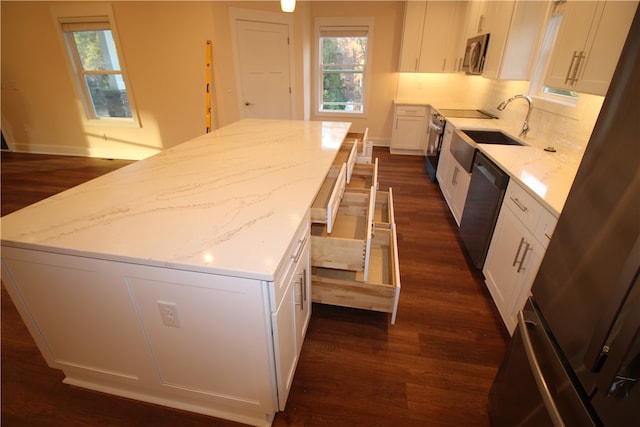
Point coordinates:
pixel 552 409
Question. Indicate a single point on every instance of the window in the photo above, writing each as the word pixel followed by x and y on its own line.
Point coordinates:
pixel 343 61
pixel 97 68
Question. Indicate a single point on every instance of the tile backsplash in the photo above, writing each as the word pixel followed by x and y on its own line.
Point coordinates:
pixel 567 129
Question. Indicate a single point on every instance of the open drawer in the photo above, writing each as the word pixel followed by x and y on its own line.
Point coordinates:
pixel 364 176
pixel 347 245
pixel 325 206
pixel 347 155
pixel 365 148
pixel 379 292
pixel 383 213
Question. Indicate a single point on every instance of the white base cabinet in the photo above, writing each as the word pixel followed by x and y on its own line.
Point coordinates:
pixel 454 180
pixel 229 351
pixel 516 251
pixel 409 133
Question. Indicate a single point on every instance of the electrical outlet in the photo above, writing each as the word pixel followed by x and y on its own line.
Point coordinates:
pixel 169 313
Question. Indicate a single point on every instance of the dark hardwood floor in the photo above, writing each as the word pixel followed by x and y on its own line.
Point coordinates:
pixel 434 367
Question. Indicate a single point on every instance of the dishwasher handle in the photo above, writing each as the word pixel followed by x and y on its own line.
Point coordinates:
pixel 493 173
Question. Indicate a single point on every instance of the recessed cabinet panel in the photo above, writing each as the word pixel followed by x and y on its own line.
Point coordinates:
pixel 586 51
pixel 213 310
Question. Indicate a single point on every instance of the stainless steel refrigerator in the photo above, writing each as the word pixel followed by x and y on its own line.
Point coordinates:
pixel 575 357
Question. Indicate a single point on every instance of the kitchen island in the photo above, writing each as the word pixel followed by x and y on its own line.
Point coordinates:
pixel 181 279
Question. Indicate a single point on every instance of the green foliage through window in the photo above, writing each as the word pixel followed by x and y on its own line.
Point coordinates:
pixel 99 71
pixel 343 63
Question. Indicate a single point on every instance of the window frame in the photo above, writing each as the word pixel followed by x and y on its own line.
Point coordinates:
pixel 96 17
pixel 345 24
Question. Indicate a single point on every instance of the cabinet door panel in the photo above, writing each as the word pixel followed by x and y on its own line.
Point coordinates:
pixel 408 133
pixel 439 20
pixel 597 69
pixel 576 21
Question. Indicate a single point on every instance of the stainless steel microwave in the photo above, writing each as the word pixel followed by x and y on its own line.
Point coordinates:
pixel 475 53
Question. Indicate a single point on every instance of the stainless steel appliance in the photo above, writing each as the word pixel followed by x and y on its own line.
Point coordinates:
pixel 436 131
pixel 474 54
pixel 434 143
pixel 486 191
pixel 575 357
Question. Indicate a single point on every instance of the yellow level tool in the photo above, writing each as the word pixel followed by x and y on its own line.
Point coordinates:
pixel 208 87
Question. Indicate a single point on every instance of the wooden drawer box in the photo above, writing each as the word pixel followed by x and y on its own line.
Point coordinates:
pixel 347 155
pixel 364 176
pixel 379 292
pixel 347 245
pixel 325 205
pixel 365 148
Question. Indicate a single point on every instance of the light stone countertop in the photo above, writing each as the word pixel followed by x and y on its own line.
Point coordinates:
pixel 228 202
pixel 540 172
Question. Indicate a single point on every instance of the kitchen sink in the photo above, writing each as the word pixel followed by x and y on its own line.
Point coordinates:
pixel 491 137
pixel 464 144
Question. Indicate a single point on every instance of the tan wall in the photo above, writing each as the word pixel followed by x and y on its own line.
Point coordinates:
pixel 163 47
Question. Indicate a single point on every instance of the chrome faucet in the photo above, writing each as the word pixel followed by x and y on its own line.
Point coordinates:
pixel 525 125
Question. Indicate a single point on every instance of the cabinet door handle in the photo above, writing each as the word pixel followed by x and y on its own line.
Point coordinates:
pixel 519 204
pixel 547 235
pixel 444 64
pixel 568 76
pixel 574 77
pixel 454 179
pixel 524 255
pixel 302 283
pixel 515 259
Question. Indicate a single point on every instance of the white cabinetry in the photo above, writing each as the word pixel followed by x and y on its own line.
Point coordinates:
pixel 519 241
pixel 431 36
pixel 515 29
pixel 453 178
pixel 589 43
pixel 291 319
pixel 100 322
pixel 409 133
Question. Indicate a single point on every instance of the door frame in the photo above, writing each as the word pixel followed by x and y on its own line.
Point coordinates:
pixel 240 14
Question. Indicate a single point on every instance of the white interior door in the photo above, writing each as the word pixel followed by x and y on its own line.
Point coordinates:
pixel 263 56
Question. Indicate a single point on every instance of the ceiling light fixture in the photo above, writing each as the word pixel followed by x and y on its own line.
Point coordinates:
pixel 288 5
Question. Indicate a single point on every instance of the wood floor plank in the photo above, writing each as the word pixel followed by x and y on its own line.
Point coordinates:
pixel 433 367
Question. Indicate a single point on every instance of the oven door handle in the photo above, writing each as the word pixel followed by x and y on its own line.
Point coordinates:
pixel 435 127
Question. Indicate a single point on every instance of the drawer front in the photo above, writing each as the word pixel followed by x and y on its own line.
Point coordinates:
pixel 380 292
pixel 411 110
pixel 346 246
pixel 523 205
pixel 545 227
pixel 351 160
pixel 325 206
pixel 364 176
pixel 294 253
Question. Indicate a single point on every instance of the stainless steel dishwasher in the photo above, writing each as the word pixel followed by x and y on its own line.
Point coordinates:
pixel 486 191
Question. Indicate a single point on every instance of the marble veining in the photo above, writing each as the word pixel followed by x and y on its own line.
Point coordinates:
pixel 546 176
pixel 228 202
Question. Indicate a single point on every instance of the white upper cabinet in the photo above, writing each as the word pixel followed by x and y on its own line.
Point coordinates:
pixel 589 43
pixel 431 36
pixel 515 29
